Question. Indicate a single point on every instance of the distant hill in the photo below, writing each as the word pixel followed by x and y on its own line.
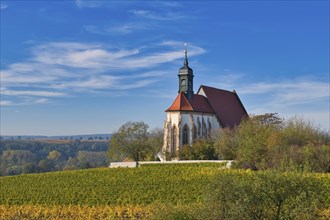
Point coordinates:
pixel 44 155
pixel 64 137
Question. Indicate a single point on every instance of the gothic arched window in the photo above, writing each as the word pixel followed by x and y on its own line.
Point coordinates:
pixel 204 131
pixel 168 137
pixel 185 135
pixel 210 129
pixel 173 145
pixel 199 129
pixel 194 133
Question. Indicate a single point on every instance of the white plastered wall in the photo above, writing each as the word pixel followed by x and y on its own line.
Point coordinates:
pixel 179 119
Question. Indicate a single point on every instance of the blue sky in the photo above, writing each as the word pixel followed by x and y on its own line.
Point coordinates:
pixel 82 67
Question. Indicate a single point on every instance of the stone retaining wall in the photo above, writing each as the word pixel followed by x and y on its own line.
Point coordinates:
pixel 133 164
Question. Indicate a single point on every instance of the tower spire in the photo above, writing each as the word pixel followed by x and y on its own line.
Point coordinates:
pixel 185 63
pixel 186 77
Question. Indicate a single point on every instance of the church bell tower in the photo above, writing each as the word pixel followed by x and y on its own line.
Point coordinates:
pixel 186 78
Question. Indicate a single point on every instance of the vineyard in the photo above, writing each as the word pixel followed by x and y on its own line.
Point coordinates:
pixel 146 185
pixel 118 193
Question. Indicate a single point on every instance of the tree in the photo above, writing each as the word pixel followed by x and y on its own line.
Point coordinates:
pixel 46 165
pixel 71 164
pixel 54 155
pixel 268 142
pixel 88 159
pixel 255 137
pixel 130 141
pixel 156 140
pixel 265 195
pixel 201 150
pixel 225 144
pixel 299 132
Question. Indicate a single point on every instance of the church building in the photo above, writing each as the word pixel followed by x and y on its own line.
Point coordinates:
pixel 193 116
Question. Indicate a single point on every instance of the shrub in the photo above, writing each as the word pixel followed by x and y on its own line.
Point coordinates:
pixel 226 145
pixel 267 142
pixel 266 195
pixel 201 150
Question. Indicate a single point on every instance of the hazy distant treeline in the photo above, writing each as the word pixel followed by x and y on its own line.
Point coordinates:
pixel 23 156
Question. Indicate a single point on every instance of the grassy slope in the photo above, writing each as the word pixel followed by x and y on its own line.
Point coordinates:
pixel 171 184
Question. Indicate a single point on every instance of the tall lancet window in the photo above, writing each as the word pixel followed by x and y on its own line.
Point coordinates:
pixel 168 137
pixel 194 133
pixel 173 145
pixel 209 131
pixel 199 128
pixel 185 135
pixel 204 131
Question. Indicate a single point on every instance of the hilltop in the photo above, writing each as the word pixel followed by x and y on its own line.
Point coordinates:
pixel 171 191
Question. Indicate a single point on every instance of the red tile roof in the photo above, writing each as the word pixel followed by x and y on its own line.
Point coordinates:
pixel 198 103
pixel 227 105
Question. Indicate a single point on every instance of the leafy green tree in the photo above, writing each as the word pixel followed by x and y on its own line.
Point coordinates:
pixel 225 144
pixel 54 155
pixel 71 164
pixel 304 146
pixel 201 150
pixel 272 119
pixel 265 195
pixel 299 132
pixel 17 157
pixel 317 157
pixel 255 137
pixel 156 140
pixel 88 159
pixel 269 142
pixel 130 141
pixel 45 165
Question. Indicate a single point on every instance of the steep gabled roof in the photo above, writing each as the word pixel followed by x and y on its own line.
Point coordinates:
pixel 198 103
pixel 226 105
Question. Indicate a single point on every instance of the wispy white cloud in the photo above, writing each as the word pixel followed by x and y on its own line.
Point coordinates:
pixel 3 6
pixel 160 16
pixel 98 56
pixel 41 101
pixel 290 93
pixel 137 84
pixel 287 92
pixel 193 50
pixel 60 69
pixel 89 3
pixel 86 84
pixel 305 96
pixel 31 93
pixel 158 73
pixel 6 103
pixel 111 4
pixel 118 29
pixel 92 57
pixel 23 101
pixel 141 20
pixel 14 76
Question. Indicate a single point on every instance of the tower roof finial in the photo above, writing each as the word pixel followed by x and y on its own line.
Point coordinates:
pixel 185 55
